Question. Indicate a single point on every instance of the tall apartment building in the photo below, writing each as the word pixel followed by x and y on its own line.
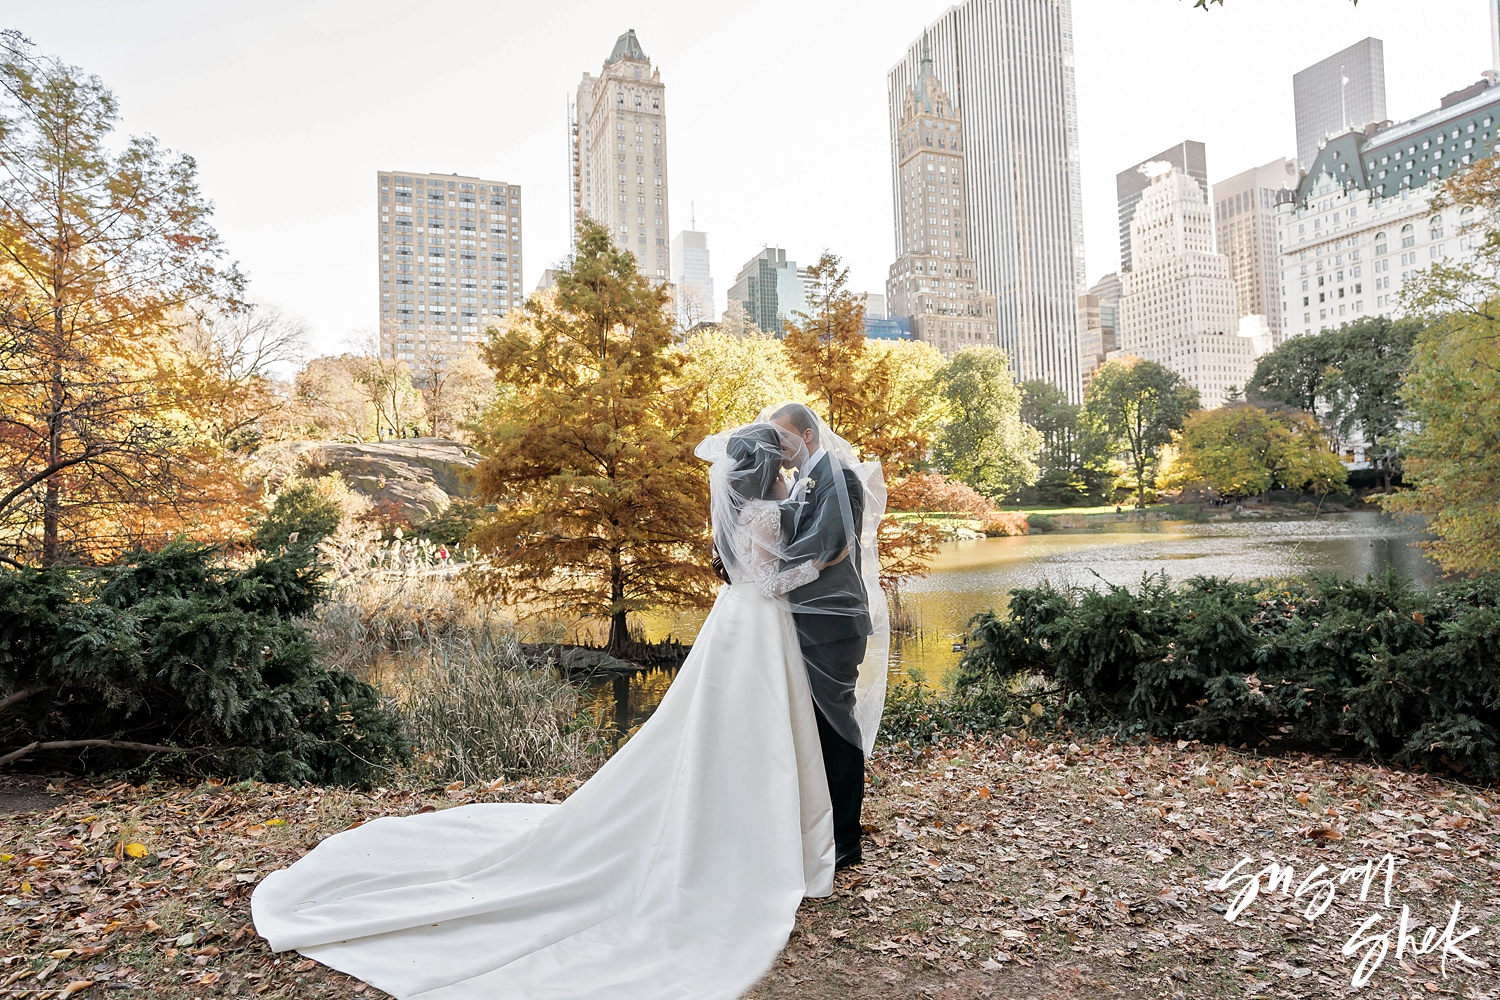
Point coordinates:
pixel 1245 228
pixel 1188 156
pixel 934 281
pixel 1008 66
pixel 618 168
pixel 450 261
pixel 1178 302
pixel 694 281
pixel 1361 223
pixel 1346 90
pixel 771 289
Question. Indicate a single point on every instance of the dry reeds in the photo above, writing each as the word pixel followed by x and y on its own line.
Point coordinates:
pixel 474 704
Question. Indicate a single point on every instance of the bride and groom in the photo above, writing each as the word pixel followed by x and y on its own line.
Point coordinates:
pixel 677 869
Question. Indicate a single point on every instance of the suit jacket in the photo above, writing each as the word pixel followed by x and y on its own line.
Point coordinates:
pixel 817 530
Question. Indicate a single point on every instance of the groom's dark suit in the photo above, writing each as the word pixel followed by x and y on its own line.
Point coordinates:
pixel 833 643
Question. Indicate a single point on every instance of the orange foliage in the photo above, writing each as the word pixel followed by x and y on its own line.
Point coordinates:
pixel 929 492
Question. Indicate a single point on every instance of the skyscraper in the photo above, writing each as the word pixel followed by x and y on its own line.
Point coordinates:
pixel 1098 325
pixel 771 289
pixel 1188 156
pixel 1008 67
pixel 1346 90
pixel 1245 226
pixel 450 261
pixel 618 168
pixel 934 281
pixel 1178 303
pixel 694 281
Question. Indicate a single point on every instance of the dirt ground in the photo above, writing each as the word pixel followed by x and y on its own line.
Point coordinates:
pixel 1005 867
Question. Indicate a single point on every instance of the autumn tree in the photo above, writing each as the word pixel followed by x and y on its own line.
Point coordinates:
pixel 1136 406
pixel 455 391
pixel 105 418
pixel 240 353
pixel 1453 449
pixel 984 442
pixel 735 377
pixel 1241 449
pixel 602 506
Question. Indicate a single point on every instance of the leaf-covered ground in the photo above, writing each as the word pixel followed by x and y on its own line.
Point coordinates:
pixel 1000 868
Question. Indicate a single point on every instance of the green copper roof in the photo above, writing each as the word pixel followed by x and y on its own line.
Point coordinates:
pixel 919 90
pixel 627 47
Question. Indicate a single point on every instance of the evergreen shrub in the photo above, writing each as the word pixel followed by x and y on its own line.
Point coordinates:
pixel 1374 666
pixel 173 648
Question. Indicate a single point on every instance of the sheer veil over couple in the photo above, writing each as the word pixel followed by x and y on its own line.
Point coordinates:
pixel 676 871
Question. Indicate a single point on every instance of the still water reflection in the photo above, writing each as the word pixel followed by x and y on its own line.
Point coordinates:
pixel 973 576
pixel 970 577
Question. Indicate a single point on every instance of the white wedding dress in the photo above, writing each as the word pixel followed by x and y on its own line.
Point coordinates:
pixel 675 872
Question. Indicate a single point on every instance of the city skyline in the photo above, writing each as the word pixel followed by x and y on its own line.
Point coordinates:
pixel 306 79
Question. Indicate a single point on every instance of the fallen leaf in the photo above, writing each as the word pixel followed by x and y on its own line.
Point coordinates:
pixel 1322 833
pixel 62 953
pixel 306 965
pixel 276 822
pixel 838 932
pixel 74 987
pixel 225 865
pixel 137 850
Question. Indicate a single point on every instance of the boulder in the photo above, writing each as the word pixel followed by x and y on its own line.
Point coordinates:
pixel 417 476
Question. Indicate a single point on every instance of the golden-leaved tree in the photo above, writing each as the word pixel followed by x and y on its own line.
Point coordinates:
pixel 1242 449
pixel 106 416
pixel 737 377
pixel 602 508
pixel 877 397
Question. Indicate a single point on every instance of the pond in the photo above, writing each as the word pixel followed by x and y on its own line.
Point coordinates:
pixel 972 576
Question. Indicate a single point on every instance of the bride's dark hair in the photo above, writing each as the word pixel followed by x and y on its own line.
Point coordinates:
pixel 755 455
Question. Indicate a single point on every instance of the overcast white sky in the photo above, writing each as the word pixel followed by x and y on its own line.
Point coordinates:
pixel 777 116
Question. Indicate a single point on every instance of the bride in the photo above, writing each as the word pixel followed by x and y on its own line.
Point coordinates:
pixel 676 871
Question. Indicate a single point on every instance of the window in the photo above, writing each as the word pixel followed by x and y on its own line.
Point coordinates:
pixel 1408 235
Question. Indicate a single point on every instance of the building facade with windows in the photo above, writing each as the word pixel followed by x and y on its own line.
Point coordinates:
pixel 934 281
pixel 1008 67
pixel 618 167
pixel 450 262
pixel 1188 156
pixel 1177 306
pixel 693 279
pixel 1245 228
pixel 771 289
pixel 1346 90
pixel 1361 223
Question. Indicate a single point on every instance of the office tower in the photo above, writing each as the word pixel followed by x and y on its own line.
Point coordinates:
pixel 1178 302
pixel 1098 325
pixel 1245 227
pixel 934 280
pixel 618 168
pixel 1008 67
pixel 1344 91
pixel 771 290
pixel 695 284
pixel 1363 214
pixel 1189 157
pixel 450 262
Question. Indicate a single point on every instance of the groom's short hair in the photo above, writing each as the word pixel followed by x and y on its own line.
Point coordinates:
pixel 800 417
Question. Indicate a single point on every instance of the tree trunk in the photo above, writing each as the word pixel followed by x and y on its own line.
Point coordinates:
pixel 619 634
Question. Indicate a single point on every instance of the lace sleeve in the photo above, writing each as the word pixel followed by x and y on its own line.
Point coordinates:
pixel 761 551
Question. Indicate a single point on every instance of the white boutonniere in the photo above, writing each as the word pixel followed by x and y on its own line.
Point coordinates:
pixel 805 484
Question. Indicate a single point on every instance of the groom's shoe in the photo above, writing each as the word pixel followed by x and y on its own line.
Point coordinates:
pixel 848 859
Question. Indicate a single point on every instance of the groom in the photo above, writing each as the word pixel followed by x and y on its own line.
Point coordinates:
pixel 832 615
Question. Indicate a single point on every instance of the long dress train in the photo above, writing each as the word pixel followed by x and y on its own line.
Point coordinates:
pixel 675 872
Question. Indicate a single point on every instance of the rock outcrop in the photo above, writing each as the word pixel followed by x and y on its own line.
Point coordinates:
pixel 417 476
